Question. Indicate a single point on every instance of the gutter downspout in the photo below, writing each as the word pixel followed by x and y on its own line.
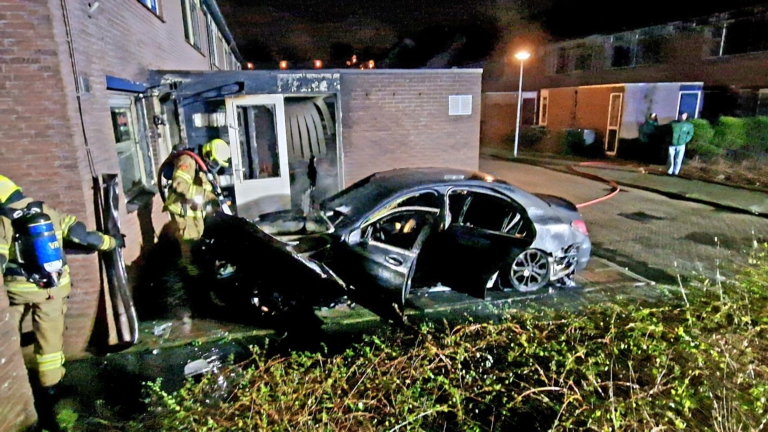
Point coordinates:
pixel 218 18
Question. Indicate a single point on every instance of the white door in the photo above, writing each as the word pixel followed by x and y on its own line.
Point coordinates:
pixel 614 123
pixel 259 154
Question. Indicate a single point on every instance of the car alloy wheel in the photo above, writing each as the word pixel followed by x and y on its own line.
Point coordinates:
pixel 530 270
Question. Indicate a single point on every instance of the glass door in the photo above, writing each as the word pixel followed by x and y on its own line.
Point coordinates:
pixel 614 123
pixel 259 154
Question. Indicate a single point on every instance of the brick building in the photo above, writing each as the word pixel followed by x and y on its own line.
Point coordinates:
pixel 68 110
pixel 355 122
pixel 727 52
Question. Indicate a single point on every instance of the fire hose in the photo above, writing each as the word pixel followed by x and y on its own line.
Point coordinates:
pixel 615 187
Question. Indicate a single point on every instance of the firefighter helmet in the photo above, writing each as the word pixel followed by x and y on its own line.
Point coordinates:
pixel 217 152
pixel 7 188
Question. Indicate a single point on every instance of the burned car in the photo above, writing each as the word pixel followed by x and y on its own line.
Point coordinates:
pixel 400 230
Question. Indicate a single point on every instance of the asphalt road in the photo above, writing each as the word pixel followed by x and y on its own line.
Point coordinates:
pixel 651 235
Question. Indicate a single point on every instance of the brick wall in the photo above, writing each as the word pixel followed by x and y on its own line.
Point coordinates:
pixel 17 409
pixel 41 139
pixel 396 119
pixel 123 39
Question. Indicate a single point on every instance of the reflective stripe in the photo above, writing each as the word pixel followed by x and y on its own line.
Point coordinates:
pixel 107 243
pixel 68 222
pixel 50 361
pixel 176 209
pixel 4 249
pixel 184 176
pixel 17 286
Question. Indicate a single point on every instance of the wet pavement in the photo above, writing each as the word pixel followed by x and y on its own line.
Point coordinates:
pixel 653 235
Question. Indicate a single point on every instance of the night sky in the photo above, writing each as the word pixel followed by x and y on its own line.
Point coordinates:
pixel 301 30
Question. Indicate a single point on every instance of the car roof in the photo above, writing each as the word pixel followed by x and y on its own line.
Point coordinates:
pixel 365 195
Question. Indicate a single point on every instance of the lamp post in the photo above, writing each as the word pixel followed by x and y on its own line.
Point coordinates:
pixel 522 56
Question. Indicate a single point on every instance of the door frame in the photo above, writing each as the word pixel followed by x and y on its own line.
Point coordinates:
pixel 680 101
pixel 266 186
pixel 608 127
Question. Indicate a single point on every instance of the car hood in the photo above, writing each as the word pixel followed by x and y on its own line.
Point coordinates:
pixel 272 261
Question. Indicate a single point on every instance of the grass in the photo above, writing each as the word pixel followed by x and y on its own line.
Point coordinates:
pixel 696 362
pixel 750 172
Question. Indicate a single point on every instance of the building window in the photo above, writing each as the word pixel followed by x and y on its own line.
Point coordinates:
pixel 133 151
pixel 583 58
pixel 745 36
pixel 762 102
pixel 213 40
pixel 563 61
pixel 190 10
pixel 153 5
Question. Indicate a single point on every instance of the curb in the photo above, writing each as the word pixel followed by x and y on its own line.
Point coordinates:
pixel 673 195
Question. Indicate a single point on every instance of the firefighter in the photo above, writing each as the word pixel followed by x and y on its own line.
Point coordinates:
pixel 191 190
pixel 35 270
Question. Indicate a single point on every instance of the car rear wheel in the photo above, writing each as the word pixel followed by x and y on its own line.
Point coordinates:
pixel 529 271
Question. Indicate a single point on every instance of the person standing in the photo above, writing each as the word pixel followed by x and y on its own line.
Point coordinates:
pixel 191 189
pixel 35 271
pixel 682 133
pixel 648 137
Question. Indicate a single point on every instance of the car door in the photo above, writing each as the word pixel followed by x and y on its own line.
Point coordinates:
pixel 484 231
pixel 381 255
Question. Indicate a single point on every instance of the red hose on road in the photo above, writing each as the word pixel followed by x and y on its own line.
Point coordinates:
pixel 611 183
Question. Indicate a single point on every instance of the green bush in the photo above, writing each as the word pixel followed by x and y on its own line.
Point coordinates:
pixel 696 361
pixel 701 143
pixel 530 136
pixel 757 133
pixel 730 133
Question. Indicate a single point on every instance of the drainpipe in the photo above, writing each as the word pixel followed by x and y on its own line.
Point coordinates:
pixel 218 18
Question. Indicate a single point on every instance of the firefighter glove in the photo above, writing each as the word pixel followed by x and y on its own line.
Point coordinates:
pixel 120 241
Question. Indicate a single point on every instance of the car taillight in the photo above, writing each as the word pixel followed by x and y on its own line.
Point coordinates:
pixel 580 226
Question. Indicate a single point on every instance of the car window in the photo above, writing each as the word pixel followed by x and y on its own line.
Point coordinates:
pixel 481 210
pixel 400 229
pixel 426 199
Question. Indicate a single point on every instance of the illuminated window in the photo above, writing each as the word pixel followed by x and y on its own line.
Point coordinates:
pixel 153 5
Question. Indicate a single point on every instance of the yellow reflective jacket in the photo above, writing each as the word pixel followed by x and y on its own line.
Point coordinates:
pixel 189 189
pixel 61 223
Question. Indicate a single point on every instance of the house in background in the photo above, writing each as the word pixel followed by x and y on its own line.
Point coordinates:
pixel 614 112
pixel 727 52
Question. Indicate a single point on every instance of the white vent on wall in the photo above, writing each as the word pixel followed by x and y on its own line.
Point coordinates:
pixel 218 119
pixel 460 105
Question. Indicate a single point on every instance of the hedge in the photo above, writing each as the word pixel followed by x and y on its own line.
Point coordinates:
pixel 730 133
pixel 701 144
pixel 757 133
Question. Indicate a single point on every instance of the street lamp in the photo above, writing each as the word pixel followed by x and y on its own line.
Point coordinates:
pixel 522 56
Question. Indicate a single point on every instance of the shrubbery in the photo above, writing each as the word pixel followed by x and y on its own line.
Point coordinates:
pixel 696 362
pixel 701 144
pixel 748 135
pixel 530 136
pixel 730 133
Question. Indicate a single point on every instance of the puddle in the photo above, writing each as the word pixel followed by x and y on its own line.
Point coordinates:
pixel 641 216
pixel 726 241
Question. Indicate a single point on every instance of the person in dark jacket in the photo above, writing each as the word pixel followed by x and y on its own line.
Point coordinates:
pixel 682 133
pixel 648 129
pixel 649 134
